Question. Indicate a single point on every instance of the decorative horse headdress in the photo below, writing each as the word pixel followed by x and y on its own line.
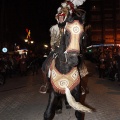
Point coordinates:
pixel 68 7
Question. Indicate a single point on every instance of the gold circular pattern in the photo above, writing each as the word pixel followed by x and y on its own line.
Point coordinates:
pixel 76 29
pixel 63 82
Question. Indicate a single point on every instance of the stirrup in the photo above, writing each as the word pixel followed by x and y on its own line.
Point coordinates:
pixel 43 89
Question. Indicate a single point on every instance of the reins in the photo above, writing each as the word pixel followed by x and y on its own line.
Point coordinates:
pixel 67 54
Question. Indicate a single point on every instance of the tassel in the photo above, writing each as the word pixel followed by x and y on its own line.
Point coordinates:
pixel 76 105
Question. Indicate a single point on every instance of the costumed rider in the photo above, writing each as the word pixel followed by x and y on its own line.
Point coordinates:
pixel 68 12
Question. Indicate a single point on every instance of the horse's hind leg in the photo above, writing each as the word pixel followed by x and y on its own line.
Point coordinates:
pixel 52 103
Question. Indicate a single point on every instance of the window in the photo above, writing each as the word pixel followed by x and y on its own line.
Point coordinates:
pixel 118 16
pixel 117 3
pixel 109 25
pixel 97 27
pixel 108 16
pixel 118 25
pixel 108 4
pixel 118 36
pixel 95 17
pixel 96 36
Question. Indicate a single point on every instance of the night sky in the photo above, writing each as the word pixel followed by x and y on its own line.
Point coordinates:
pixel 36 15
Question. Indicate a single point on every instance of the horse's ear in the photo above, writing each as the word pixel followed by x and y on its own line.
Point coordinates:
pixel 80 14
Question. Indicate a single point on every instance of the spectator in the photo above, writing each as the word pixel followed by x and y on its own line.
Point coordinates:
pixel 23 65
pixel 117 58
pixel 34 64
pixel 102 65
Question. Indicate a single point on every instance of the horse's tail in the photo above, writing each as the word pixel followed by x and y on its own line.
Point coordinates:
pixel 76 105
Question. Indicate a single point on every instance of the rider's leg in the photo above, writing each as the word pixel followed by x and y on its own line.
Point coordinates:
pixel 45 87
pixel 45 70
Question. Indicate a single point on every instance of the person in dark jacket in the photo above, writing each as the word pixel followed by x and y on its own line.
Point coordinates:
pixel 102 65
pixel 23 65
pixel 117 58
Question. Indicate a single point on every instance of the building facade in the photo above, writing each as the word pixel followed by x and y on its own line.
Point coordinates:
pixel 104 21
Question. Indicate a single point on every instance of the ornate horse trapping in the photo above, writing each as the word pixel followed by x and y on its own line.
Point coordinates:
pixel 60 81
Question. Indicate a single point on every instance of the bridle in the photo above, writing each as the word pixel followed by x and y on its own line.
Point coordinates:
pixel 67 55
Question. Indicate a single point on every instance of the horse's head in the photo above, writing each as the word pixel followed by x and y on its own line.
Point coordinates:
pixel 70 20
pixel 67 12
pixel 64 13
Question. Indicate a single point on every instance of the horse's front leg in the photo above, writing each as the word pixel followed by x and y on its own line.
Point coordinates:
pixel 76 94
pixel 52 103
pixel 59 105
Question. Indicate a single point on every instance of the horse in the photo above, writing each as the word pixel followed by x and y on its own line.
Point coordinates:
pixel 64 76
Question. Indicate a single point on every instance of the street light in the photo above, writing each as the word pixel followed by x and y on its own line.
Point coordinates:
pixel 32 42
pixel 29 41
pixel 45 46
pixel 28 38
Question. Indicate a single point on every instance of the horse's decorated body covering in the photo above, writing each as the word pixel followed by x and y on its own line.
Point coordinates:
pixel 72 78
pixel 75 29
pixel 59 81
pixel 64 83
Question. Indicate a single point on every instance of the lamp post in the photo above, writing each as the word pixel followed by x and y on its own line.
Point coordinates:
pixel 28 38
pixel 29 41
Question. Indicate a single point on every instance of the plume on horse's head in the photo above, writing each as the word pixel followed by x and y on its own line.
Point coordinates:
pixel 69 10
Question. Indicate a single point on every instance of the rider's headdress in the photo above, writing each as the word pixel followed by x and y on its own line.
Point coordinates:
pixel 68 7
pixel 71 5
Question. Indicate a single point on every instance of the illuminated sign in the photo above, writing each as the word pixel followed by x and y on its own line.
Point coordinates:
pixel 101 45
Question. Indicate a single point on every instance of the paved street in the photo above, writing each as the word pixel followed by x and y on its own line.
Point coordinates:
pixel 20 99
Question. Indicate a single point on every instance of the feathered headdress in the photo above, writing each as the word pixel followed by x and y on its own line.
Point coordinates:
pixel 77 2
pixel 71 4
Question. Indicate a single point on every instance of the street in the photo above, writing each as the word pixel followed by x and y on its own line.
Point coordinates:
pixel 20 98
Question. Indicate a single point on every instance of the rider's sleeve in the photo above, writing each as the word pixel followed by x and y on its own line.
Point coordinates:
pixel 54 33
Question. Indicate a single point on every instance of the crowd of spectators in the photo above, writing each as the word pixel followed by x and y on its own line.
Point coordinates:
pixel 107 60
pixel 20 65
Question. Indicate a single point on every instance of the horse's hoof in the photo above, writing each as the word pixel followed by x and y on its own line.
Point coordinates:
pixel 68 107
pixel 59 111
